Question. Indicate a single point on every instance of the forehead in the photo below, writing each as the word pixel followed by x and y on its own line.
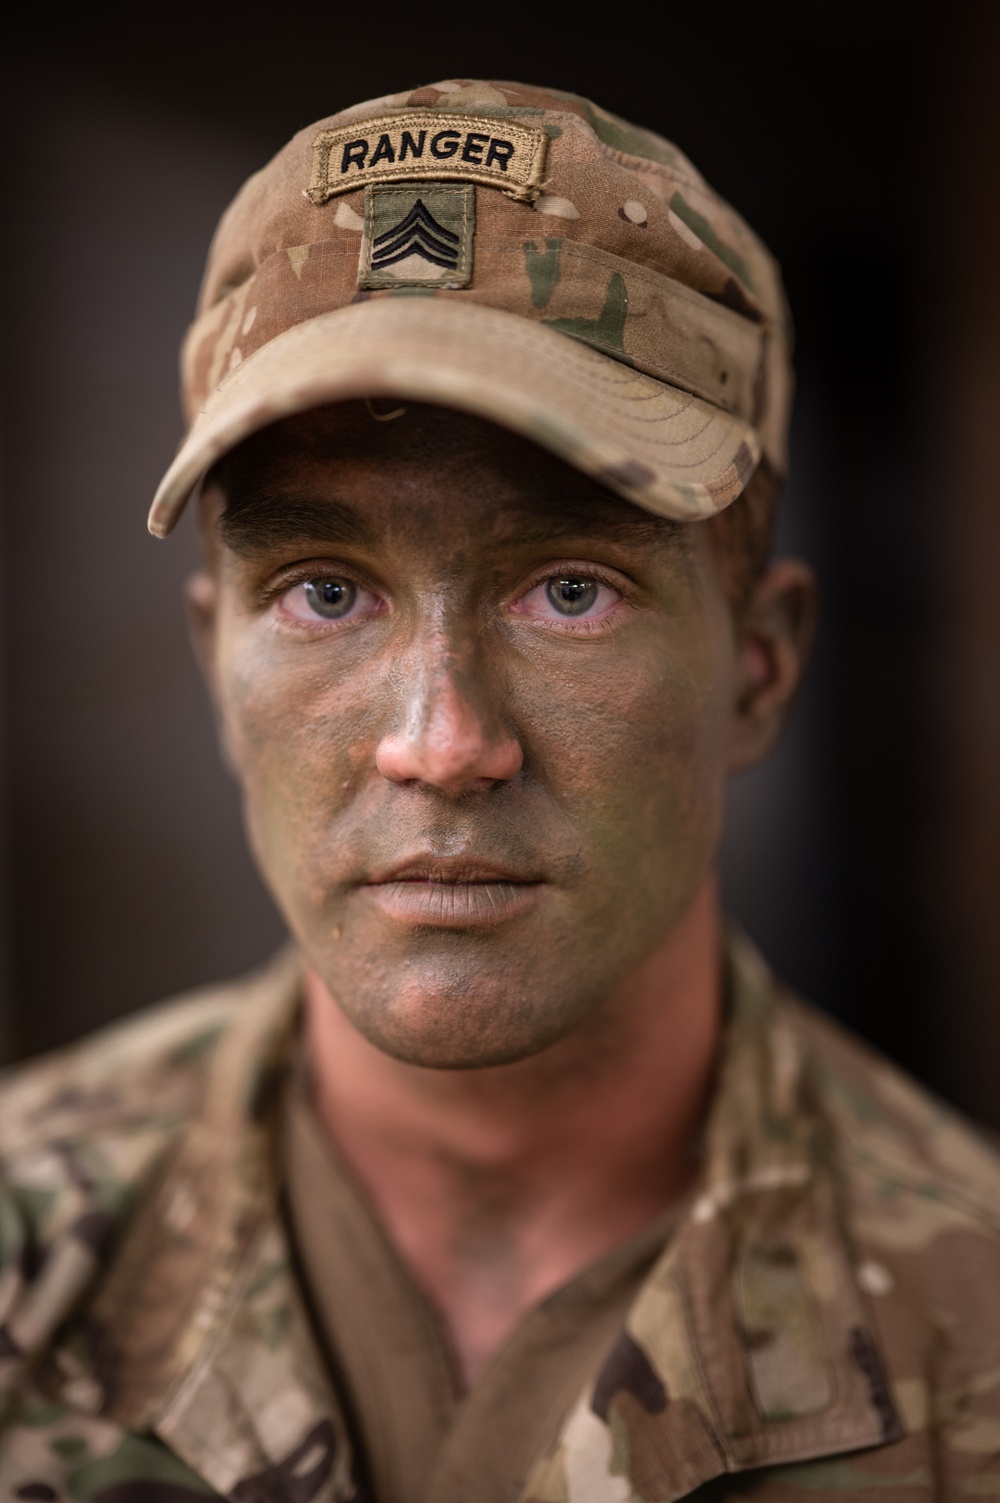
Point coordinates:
pixel 357 466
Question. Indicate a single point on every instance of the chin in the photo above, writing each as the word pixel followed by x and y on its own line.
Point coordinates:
pixel 467 1028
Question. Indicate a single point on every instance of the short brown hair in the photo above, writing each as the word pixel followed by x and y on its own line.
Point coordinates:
pixel 744 533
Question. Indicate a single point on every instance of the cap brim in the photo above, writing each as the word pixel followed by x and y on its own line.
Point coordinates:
pixel 673 453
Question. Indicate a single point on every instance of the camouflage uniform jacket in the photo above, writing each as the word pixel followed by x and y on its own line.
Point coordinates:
pixel 826 1320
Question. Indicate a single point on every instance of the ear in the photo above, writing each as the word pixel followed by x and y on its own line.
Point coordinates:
pixel 201 600
pixel 774 634
pixel 201 591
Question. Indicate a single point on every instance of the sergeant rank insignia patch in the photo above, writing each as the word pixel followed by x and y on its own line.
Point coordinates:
pixel 418 235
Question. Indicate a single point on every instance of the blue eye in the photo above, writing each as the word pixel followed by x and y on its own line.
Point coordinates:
pixel 570 596
pixel 566 598
pixel 330 598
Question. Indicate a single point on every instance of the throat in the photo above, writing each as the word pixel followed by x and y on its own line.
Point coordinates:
pixel 499 1186
pixel 488 1276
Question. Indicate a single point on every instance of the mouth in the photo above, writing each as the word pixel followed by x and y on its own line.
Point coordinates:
pixel 453 892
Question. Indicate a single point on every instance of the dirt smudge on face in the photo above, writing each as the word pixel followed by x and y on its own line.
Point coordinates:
pixel 622 731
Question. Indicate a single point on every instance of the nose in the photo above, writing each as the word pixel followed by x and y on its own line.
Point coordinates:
pixel 449 734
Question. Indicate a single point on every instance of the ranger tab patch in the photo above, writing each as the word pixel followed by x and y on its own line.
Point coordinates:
pixel 418 235
pixel 428 144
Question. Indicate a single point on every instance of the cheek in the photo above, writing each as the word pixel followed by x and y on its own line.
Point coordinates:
pixel 301 737
pixel 635 747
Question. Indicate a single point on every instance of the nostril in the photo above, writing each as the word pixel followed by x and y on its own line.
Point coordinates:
pixel 452 763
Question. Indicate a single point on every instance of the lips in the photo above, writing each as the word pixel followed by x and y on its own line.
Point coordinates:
pixel 452 892
pixel 461 869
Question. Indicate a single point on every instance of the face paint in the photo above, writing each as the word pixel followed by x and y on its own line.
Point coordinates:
pixel 480 708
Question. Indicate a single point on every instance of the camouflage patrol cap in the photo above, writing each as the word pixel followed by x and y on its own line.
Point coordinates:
pixel 510 251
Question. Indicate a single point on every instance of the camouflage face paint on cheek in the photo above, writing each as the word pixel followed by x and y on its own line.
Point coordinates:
pixel 609 811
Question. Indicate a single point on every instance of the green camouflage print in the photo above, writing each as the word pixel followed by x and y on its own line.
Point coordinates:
pixel 826 1319
pixel 621 246
pixel 621 201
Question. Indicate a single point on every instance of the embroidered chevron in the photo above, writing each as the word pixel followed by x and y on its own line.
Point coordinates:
pixel 418 235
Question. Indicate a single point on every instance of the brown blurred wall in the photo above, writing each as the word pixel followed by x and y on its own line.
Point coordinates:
pixel 126 876
pixel 961 399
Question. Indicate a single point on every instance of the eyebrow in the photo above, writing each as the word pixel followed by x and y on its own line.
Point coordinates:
pixel 254 522
pixel 633 527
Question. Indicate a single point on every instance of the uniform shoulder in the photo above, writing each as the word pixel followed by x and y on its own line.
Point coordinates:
pixel 890 1127
pixel 81 1126
pixel 109 1072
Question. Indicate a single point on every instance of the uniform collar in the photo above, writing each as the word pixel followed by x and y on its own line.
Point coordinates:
pixel 748 1345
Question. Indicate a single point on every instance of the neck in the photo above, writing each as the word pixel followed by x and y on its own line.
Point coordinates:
pixel 498 1185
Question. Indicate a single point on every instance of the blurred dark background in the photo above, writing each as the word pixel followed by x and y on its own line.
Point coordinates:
pixel 861 139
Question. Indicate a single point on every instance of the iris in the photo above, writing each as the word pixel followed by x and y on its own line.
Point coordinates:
pixel 331 598
pixel 572 597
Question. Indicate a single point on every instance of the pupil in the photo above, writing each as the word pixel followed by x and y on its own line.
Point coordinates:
pixel 571 597
pixel 331 598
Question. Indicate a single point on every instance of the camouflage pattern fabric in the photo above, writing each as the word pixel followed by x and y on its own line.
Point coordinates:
pixel 826 1321
pixel 617 310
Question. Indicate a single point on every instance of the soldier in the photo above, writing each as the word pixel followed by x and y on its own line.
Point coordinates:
pixel 516 1177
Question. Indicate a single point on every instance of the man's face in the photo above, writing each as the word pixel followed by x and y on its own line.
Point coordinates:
pixel 481 710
